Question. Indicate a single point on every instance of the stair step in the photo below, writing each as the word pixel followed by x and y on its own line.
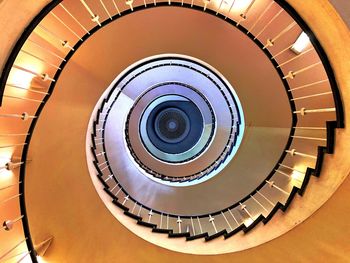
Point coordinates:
pixel 252 225
pixel 290 198
pixel 136 217
pixel 273 211
pixel 109 193
pixel 203 235
pixel 183 234
pixel 234 231
pixel 120 205
pixel 143 223
pixel 222 232
pixel 162 230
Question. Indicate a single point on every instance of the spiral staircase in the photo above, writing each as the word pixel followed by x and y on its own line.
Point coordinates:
pixel 271 119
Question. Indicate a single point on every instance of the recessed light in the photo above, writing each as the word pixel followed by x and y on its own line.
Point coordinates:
pixel 301 43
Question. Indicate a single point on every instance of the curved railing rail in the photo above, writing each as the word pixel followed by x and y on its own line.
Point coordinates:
pixel 226 151
pixel 226 222
pixel 260 205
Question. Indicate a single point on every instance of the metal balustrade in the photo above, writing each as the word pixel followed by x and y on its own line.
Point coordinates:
pixel 258 206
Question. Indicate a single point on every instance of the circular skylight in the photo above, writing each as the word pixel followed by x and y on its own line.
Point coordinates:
pixel 174 112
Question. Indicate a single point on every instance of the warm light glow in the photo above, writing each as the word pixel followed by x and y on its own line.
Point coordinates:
pixel 5 174
pixel 296 175
pixel 40 259
pixel 241 5
pixel 248 222
pixel 301 43
pixel 4 159
pixel 21 78
pixel 27 259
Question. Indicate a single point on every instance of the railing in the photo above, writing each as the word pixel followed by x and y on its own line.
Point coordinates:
pixel 23 102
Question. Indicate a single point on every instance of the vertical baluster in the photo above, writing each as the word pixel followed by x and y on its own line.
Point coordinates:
pixel 66 26
pixel 161 221
pixel 133 208
pixel 10 198
pixel 46 50
pixel 193 229
pixel 40 59
pixel 129 3
pixel 234 218
pixel 179 221
pixel 73 17
pixel 294 152
pixel 268 23
pixel 226 221
pixel 12 249
pixel 260 16
pixel 219 7
pixel 212 221
pixel 271 203
pixel 64 43
pixel 150 214
pixel 273 185
pixel 293 74
pixel 95 18
pixel 200 226
pixel 8 224
pixel 106 10
pixel 256 201
pixel 243 16
pixel 271 42
pixel 139 212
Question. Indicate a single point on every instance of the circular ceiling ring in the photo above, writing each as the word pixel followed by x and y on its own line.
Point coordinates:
pixel 166 90
pixel 230 120
pixel 128 87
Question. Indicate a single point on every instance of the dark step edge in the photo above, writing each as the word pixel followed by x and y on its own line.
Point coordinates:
pixel 235 231
pixel 290 198
pixel 93 153
pixel 329 148
pixel 98 116
pixel 103 103
pixel 146 224
pixel 115 201
pixel 308 174
pixel 136 217
pixel 94 129
pixel 97 168
pixel 280 206
pixel 95 124
pixel 106 189
pixel 321 150
pixel 220 233
pixel 203 235
pixel 102 181
pixel 93 141
pixel 259 219
pixel 277 207
pixel 162 230
pixel 331 126
pixel 183 234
